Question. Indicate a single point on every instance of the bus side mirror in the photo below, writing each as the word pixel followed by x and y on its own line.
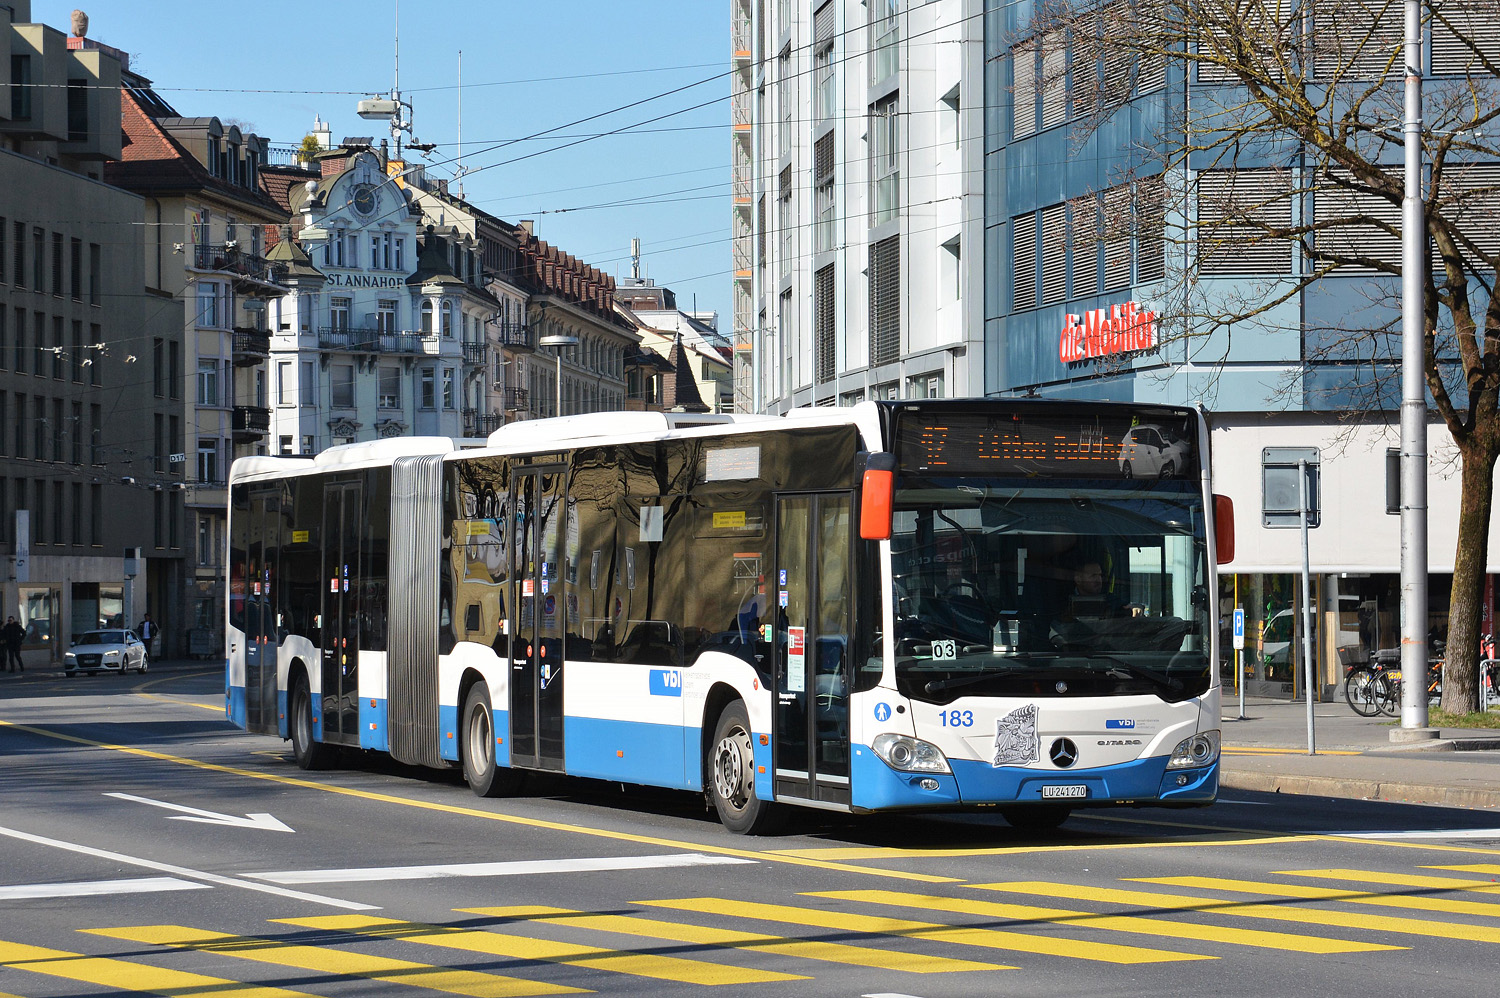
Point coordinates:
pixel 877 497
pixel 1224 529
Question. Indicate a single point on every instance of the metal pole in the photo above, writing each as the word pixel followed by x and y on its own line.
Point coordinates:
pixel 559 382
pixel 1413 397
pixel 1307 643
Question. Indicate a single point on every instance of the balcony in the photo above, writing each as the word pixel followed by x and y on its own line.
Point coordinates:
pixel 344 340
pixel 517 400
pixel 515 336
pixel 481 424
pixel 250 423
pixel 251 346
pixel 226 259
pixel 476 354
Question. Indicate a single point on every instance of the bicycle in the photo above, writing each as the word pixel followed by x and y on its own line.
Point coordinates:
pixel 1388 688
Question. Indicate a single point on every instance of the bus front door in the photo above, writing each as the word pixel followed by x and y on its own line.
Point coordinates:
pixel 342 525
pixel 536 653
pixel 811 723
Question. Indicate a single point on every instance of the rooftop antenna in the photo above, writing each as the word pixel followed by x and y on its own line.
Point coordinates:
pixel 635 258
pixel 397 111
pixel 458 173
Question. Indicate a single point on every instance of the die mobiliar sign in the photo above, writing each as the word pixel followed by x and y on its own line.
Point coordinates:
pixel 1103 332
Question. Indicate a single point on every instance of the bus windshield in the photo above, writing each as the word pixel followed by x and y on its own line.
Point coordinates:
pixel 1067 588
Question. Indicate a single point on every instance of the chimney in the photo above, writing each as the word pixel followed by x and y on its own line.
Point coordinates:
pixel 527 226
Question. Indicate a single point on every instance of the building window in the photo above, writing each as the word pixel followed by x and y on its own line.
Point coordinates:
pixel 20 87
pixel 96 515
pixel 18 265
pixel 1023 262
pixel 885 34
pixel 174 365
pixel 1085 233
pixel 427 389
pixel 208 304
pixel 95 269
pixel 285 390
pixel 1023 90
pixel 205 226
pixel 784 102
pixel 309 445
pixel 885 301
pixel 400 251
pixel 374 252
pixel 885 149
pixel 426 318
pixel 448 388
pixel 342 386
pixel 284 444
pixel 1054 81
pixel 448 319
pixel 784 226
pixel 390 388
pixel 75 269
pixel 385 316
pixel 825 358
pixel 308 386
pixel 825 22
pixel 338 314
pixel 824 225
pixel 208 382
pixel 1054 254
pixel 38 258
pixel 76 519
pixel 208 459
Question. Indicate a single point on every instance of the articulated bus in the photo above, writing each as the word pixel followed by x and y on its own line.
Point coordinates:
pixel 934 604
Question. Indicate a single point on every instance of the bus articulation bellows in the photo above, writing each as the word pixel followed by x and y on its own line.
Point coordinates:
pixel 933 604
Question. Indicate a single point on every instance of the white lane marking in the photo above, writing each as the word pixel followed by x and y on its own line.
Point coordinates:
pixel 1419 833
pixel 1249 803
pixel 182 871
pixel 259 819
pixel 94 888
pixel 889 994
pixel 510 869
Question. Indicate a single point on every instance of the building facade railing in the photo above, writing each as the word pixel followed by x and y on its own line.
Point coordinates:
pixel 481 424
pixel 251 346
pixel 251 420
pixel 399 343
pixel 514 335
pixel 517 400
pixel 476 353
pixel 233 260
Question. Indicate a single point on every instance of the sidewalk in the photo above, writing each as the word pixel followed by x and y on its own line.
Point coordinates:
pixel 1267 751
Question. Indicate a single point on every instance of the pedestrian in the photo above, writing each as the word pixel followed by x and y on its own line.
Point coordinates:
pixel 146 631
pixel 11 636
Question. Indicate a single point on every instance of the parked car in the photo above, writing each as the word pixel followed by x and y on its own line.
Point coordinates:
pixel 105 651
pixel 1148 451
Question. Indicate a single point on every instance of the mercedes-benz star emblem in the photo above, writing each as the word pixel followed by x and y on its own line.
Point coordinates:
pixel 1060 686
pixel 1063 753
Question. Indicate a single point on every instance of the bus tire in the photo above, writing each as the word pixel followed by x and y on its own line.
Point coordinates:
pixel 731 777
pixel 484 775
pixel 309 752
pixel 1036 818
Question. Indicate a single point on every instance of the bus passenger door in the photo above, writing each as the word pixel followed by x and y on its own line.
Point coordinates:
pixel 536 652
pixel 342 523
pixel 813 576
pixel 261 633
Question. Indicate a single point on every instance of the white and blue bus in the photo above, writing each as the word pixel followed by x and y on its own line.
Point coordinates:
pixel 934 604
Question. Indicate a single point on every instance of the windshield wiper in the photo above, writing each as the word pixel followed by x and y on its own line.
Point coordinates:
pixel 1141 672
pixel 939 685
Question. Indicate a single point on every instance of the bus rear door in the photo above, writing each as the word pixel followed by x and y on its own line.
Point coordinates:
pixel 536 653
pixel 811 723
pixel 343 519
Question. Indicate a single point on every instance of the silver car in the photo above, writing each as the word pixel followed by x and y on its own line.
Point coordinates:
pixel 1149 452
pixel 113 650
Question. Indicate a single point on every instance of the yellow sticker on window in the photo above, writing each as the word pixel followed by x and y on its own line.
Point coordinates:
pixel 301 536
pixel 479 528
pixel 735 519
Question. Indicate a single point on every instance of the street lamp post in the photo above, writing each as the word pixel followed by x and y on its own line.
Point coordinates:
pixel 558 340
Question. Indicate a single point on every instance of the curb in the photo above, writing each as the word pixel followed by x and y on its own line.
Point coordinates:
pixel 1352 789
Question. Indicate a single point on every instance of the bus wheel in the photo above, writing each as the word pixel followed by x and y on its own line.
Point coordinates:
pixel 731 777
pixel 484 775
pixel 1036 818
pixel 309 752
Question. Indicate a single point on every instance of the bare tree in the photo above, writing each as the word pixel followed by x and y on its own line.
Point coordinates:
pixel 1277 170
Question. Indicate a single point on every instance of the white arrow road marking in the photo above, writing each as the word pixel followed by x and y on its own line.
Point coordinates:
pixel 182 871
pixel 92 888
pixel 1432 833
pixel 516 868
pixel 260 820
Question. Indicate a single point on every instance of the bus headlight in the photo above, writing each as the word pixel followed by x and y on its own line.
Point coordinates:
pixel 906 754
pixel 1199 750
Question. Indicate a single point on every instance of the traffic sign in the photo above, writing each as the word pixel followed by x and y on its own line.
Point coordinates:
pixel 1239 628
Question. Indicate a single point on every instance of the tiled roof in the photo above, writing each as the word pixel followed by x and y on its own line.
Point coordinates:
pixel 681 388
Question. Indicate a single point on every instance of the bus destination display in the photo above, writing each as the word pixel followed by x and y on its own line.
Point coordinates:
pixel 1125 443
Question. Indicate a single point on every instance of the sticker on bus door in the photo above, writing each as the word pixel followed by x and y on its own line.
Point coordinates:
pixel 796 659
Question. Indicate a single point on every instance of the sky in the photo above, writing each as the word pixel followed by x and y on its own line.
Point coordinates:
pixel 527 67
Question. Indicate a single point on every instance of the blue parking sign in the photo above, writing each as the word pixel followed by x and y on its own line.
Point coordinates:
pixel 1239 627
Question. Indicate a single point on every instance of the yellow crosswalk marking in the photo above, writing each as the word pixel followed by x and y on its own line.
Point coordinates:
pixel 1445 905
pixel 702 935
pixel 1245 909
pixel 665 968
pixel 1166 928
pixel 124 975
pixel 332 961
pixel 990 938
pixel 1486 868
pixel 1398 879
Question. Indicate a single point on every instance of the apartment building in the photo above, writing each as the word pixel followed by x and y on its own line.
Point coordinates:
pixel 858 197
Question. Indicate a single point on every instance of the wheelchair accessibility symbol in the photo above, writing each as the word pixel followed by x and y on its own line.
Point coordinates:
pixel 882 712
